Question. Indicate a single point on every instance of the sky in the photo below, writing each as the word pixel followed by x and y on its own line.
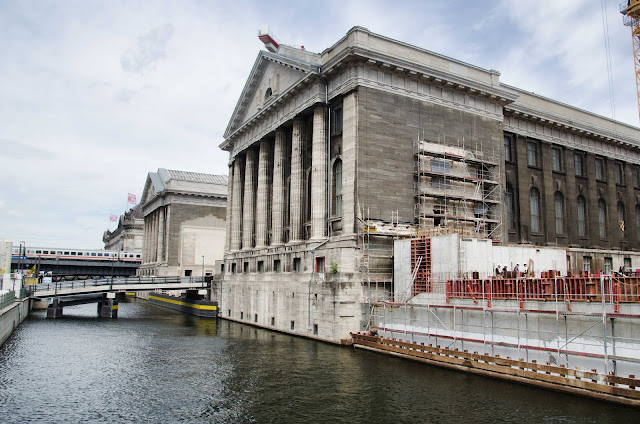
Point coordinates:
pixel 96 94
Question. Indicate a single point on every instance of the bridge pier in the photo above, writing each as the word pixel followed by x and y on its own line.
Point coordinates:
pixel 54 309
pixel 108 308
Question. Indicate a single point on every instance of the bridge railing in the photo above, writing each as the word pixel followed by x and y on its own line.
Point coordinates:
pixel 7 299
pixel 112 283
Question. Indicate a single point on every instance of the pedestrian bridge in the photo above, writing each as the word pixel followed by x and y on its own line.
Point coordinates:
pixel 113 285
pixel 103 291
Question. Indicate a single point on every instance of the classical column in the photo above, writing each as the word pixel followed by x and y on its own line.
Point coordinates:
pixel 248 206
pixel 145 243
pixel 296 180
pixel 319 174
pixel 262 200
pixel 167 218
pixel 236 223
pixel 160 253
pixel 277 217
pixel 227 241
pixel 349 137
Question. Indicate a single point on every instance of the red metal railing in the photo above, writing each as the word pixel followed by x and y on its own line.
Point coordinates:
pixel 589 288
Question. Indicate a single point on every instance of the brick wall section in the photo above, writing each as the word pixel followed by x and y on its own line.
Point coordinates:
pixel 388 126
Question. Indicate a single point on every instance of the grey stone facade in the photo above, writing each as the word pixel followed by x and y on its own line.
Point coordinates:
pixel 129 234
pixel 184 223
pixel 322 153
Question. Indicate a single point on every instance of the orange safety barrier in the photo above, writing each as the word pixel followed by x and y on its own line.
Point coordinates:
pixel 587 288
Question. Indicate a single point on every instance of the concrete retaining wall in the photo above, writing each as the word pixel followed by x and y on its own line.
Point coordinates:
pixel 11 317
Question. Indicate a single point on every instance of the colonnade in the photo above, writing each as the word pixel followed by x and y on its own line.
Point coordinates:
pixel 258 204
pixel 155 236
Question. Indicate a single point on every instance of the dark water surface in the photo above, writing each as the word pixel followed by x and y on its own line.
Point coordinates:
pixel 155 365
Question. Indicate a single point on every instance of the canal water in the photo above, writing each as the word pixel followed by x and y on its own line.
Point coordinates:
pixel 158 366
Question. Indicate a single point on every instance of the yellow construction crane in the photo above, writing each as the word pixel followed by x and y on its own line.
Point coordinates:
pixel 631 11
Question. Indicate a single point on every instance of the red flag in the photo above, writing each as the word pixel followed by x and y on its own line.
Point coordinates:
pixel 132 199
pixel 113 218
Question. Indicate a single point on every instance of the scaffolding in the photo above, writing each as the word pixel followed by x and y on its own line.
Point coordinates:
pixel 457 188
pixel 376 246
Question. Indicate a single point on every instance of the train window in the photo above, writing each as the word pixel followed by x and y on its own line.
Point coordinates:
pixel 137 256
pixel 38 252
pixel 45 252
pixel 93 254
pixel 66 253
pixel 59 252
pixel 99 254
pixel 73 253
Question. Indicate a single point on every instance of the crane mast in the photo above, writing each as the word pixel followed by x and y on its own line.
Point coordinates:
pixel 631 11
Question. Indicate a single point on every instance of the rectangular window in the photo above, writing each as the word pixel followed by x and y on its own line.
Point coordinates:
pixel 336 120
pixel 99 254
pixel 556 159
pixel 532 153
pixel 233 268
pixel 261 266
pixel 293 325
pixel 439 182
pixel 320 264
pixel 578 162
pixel 586 264
pixel 276 265
pixel 315 329
pixel 599 169
pixel 608 265
pixel 273 320
pixel 45 252
pixel 635 176
pixel 38 252
pixel 296 265
pixel 617 173
pixel 245 267
pixel 627 264
pixel 187 273
pixel 508 155
pixel 255 317
pixel 439 165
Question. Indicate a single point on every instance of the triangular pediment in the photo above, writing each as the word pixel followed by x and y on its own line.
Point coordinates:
pixel 272 74
pixel 152 186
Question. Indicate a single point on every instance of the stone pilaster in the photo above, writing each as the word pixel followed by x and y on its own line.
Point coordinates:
pixel 249 198
pixel 236 223
pixel 227 241
pixel 349 153
pixel 277 217
pixel 145 241
pixel 262 198
pixel 295 211
pixel 319 174
pixel 167 225
pixel 160 252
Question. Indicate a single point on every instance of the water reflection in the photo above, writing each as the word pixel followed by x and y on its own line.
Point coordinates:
pixel 156 365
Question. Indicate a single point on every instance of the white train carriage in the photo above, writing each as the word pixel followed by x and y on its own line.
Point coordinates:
pixel 78 254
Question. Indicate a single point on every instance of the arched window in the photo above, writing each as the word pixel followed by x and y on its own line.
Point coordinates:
pixel 621 223
pixel 534 209
pixel 268 94
pixel 559 207
pixel 602 218
pixel 337 188
pixel 582 217
pixel 508 200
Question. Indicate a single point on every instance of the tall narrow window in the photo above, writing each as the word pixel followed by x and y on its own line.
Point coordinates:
pixel 532 153
pixel 534 208
pixel 578 162
pixel 582 214
pixel 617 173
pixel 599 169
pixel 508 156
pixel 635 176
pixel 602 218
pixel 508 200
pixel 556 159
pixel 621 223
pixel 559 206
pixel 336 121
pixel 337 188
pixel 638 222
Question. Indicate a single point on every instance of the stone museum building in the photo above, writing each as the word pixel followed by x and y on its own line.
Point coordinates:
pixel 127 237
pixel 333 155
pixel 184 223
